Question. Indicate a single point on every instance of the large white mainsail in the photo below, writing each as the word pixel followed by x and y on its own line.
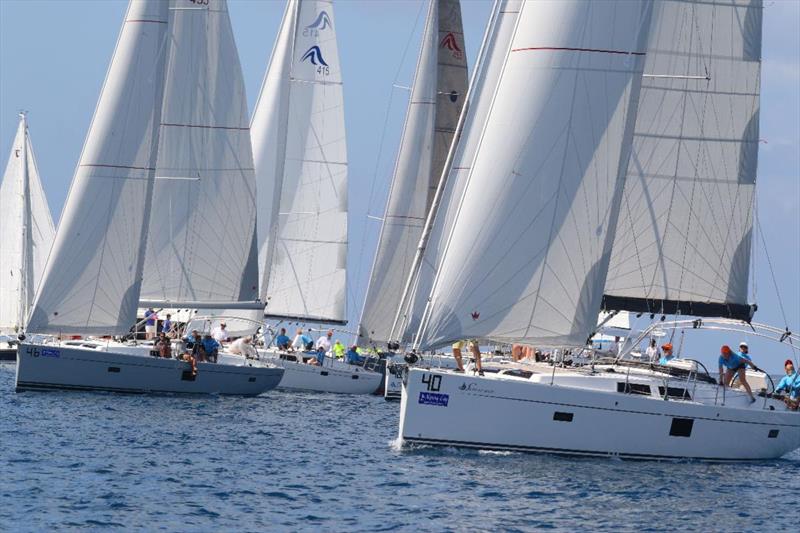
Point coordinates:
pixel 201 243
pixel 26 231
pixel 527 256
pixel 93 275
pixel 301 169
pixel 487 73
pixel 437 96
pixel 684 234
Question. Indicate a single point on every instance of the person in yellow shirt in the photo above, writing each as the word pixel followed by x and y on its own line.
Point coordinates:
pixel 338 350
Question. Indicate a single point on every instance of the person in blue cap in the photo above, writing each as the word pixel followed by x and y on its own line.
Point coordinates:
pixel 734 365
pixel 790 385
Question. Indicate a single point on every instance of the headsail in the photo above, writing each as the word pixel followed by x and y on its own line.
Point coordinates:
pixel 437 97
pixel 26 231
pixel 304 249
pixel 201 244
pixel 527 257
pixel 487 73
pixel 93 275
pixel 684 235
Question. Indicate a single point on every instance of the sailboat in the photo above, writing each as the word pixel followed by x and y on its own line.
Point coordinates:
pixel 533 267
pixel 169 131
pixel 437 98
pixel 26 234
pixel 301 171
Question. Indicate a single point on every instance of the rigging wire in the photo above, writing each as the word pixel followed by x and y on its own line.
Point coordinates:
pixel 771 269
pixel 368 215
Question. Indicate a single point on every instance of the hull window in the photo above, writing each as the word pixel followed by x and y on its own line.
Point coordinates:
pixel 633 388
pixel 562 417
pixel 113 369
pixel 681 427
pixel 251 380
pixel 355 377
pixel 773 433
pixel 187 376
pixel 677 393
pixel 324 373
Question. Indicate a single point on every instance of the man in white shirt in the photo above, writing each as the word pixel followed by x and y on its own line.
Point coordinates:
pixel 221 334
pixel 244 346
pixel 325 342
pixel 652 352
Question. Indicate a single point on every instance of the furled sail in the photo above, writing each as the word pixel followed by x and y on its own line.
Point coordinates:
pixel 528 253
pixel 26 232
pixel 301 163
pixel 437 96
pixel 93 276
pixel 487 72
pixel 201 244
pixel 684 234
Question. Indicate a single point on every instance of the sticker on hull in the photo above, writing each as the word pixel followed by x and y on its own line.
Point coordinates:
pixel 433 398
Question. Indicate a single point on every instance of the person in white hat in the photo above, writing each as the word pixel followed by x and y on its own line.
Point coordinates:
pixel 744 351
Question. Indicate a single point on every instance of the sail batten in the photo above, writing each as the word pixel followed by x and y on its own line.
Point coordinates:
pixel 684 236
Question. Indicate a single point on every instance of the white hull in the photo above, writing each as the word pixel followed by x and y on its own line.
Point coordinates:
pixel 333 376
pixel 131 370
pixel 442 408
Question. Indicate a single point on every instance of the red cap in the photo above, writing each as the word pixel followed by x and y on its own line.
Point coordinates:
pixel 667 346
pixel 725 349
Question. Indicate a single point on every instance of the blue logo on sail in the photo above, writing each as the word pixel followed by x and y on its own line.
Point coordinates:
pixel 323 21
pixel 314 55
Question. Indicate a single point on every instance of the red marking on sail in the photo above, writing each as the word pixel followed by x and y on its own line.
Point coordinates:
pixel 567 49
pixel 475 315
pixel 449 42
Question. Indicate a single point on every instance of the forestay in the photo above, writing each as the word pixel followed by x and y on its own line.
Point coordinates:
pixel 301 160
pixel 684 236
pixel 437 96
pixel 487 73
pixel 26 231
pixel 93 276
pixel 201 244
pixel 528 254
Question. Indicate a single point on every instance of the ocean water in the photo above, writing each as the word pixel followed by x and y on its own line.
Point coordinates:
pixel 304 462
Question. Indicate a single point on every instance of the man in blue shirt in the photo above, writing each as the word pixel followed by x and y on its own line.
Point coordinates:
pixel 790 384
pixel 150 318
pixel 666 356
pixel 210 348
pixel 352 356
pixel 744 351
pixel 166 326
pixel 282 341
pixel 734 365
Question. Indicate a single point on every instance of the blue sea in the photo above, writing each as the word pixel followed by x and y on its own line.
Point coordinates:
pixel 305 462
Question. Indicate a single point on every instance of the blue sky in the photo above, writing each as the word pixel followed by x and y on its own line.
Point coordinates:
pixel 54 55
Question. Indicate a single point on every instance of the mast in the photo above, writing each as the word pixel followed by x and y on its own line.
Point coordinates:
pixel 448 165
pixel 25 278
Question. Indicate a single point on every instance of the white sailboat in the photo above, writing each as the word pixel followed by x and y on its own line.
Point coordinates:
pixel 555 188
pixel 26 235
pixel 170 111
pixel 437 98
pixel 301 171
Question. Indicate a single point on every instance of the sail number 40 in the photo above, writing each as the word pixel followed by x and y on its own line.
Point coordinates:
pixel 433 382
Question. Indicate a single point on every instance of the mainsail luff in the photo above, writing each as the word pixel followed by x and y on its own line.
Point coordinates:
pixel 510 289
pixel 684 237
pixel 26 231
pixel 201 243
pixel 306 243
pixel 437 97
pixel 93 276
pixel 491 57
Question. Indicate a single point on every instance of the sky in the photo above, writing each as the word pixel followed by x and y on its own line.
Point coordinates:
pixel 54 55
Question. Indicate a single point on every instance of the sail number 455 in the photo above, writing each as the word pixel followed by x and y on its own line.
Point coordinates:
pixel 433 382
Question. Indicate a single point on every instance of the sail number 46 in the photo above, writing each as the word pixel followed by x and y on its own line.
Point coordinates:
pixel 433 382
